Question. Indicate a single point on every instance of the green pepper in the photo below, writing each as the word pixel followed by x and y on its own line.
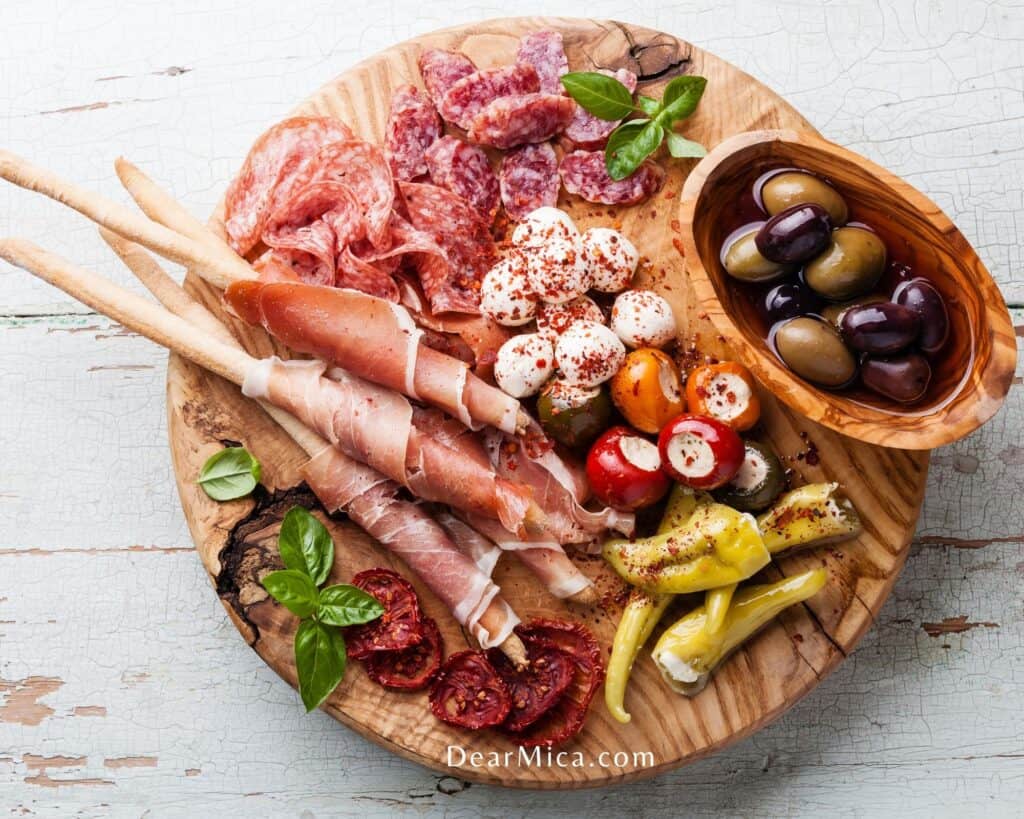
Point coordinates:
pixel 811 515
pixel 687 655
pixel 715 547
pixel 574 416
pixel 760 480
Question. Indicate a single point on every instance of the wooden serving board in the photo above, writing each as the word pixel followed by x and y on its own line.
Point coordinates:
pixel 237 541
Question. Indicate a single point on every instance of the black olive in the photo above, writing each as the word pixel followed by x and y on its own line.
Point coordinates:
pixel 880 328
pixel 789 300
pixel 795 235
pixel 902 378
pixel 920 296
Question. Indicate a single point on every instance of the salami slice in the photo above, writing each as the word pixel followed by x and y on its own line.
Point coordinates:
pixel 413 124
pixel 529 179
pixel 275 161
pixel 583 173
pixel 545 52
pixel 476 91
pixel 464 169
pixel 586 131
pixel 441 70
pixel 286 265
pixel 450 281
pixel 517 120
pixel 356 273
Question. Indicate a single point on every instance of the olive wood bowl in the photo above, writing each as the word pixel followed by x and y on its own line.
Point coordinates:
pixel 972 373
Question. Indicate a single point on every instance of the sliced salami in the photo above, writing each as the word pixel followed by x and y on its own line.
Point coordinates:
pixel 586 131
pixel 464 169
pixel 529 179
pixel 441 70
pixel 583 174
pixel 358 274
pixel 476 91
pixel 518 120
pixel 287 265
pixel 545 52
pixel 451 282
pixel 276 161
pixel 413 124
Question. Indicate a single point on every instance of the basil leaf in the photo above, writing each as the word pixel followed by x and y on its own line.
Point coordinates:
pixel 649 105
pixel 293 590
pixel 603 96
pixel 229 474
pixel 624 134
pixel 320 661
pixel 344 605
pixel 680 98
pixel 682 148
pixel 623 155
pixel 306 545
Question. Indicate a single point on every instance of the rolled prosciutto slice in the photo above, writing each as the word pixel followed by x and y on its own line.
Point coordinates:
pixel 375 426
pixel 404 528
pixel 376 340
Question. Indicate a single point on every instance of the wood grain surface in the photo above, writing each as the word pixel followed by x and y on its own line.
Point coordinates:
pixel 237 541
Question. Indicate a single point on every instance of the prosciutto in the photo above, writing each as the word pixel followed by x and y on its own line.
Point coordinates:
pixel 376 427
pixel 373 339
pixel 448 567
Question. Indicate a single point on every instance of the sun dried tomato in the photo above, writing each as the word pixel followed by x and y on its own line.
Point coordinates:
pixel 411 668
pixel 398 627
pixel 537 687
pixel 468 692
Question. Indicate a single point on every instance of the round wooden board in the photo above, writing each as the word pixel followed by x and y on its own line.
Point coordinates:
pixel 237 541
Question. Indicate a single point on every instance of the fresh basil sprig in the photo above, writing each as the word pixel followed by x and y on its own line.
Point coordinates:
pixel 308 551
pixel 229 474
pixel 636 139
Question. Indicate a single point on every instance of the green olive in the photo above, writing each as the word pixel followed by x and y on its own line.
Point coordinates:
pixel 574 416
pixel 850 266
pixel 744 261
pixel 834 312
pixel 813 350
pixel 800 188
pixel 759 481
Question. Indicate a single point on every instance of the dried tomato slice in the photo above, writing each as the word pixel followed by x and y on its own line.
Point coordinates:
pixel 536 688
pixel 411 668
pixel 566 718
pixel 398 627
pixel 469 693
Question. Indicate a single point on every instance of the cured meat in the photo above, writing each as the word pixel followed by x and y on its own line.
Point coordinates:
pixel 476 91
pixel 468 692
pixel 413 125
pixel 589 133
pixel 482 551
pixel 545 52
pixel 517 120
pixel 355 273
pixel 584 174
pixel 441 70
pixel 375 426
pixel 465 170
pixel 371 501
pixel 372 339
pixel 529 179
pixel 452 282
pixel 276 161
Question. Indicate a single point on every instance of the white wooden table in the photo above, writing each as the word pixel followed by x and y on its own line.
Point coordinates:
pixel 125 691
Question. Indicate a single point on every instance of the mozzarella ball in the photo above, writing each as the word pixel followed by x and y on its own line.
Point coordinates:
pixel 555 319
pixel 588 354
pixel 505 292
pixel 611 259
pixel 643 319
pixel 524 363
pixel 541 225
pixel 554 255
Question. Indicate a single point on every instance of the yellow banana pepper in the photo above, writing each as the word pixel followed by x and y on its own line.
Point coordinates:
pixel 811 515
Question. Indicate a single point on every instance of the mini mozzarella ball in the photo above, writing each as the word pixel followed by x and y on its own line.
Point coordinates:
pixel 588 354
pixel 555 319
pixel 611 259
pixel 541 225
pixel 554 255
pixel 505 292
pixel 643 319
pixel 524 363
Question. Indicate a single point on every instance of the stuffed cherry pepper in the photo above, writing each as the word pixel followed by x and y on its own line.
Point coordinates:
pixel 700 452
pixel 724 392
pixel 624 470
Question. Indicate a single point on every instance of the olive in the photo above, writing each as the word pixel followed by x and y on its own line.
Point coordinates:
pixel 834 312
pixel 742 260
pixel 574 416
pixel 851 266
pixel 921 296
pixel 902 378
pixel 796 235
pixel 813 349
pixel 799 187
pixel 789 300
pixel 880 328
pixel 759 481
